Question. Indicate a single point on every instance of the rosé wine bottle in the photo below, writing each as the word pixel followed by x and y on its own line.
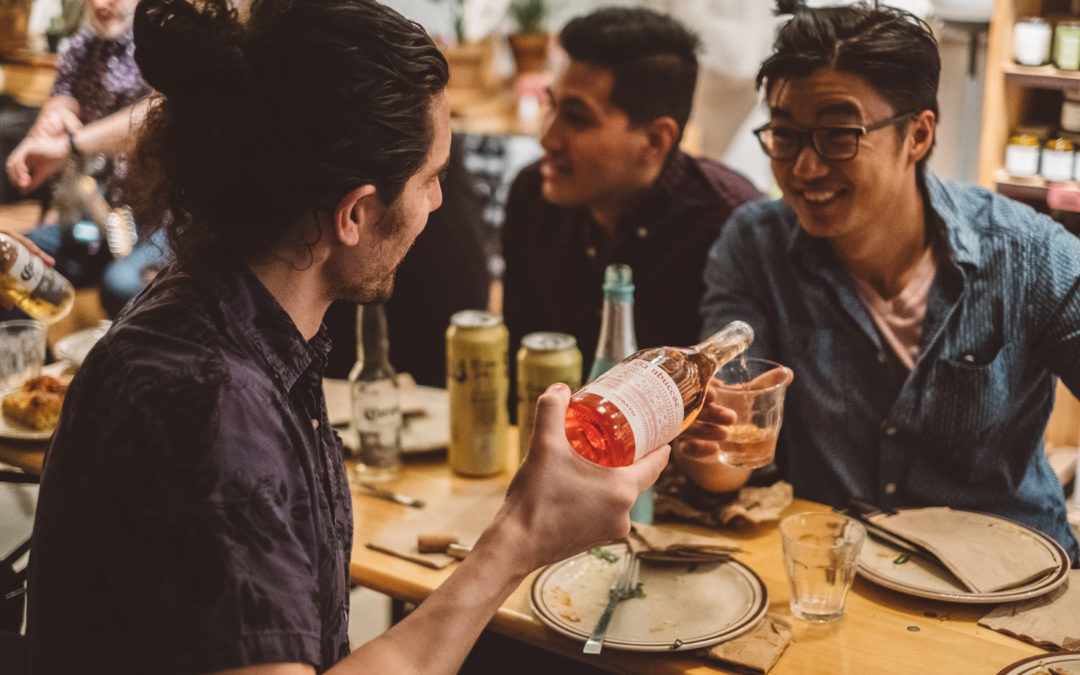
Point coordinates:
pixel 648 398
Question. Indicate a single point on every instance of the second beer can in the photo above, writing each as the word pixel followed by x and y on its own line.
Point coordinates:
pixel 543 360
pixel 477 345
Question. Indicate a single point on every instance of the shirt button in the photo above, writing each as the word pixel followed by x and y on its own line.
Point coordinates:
pixel 890 488
pixel 881 357
pixel 642 233
pixel 590 252
pixel 315 424
pixel 969 358
pixel 890 431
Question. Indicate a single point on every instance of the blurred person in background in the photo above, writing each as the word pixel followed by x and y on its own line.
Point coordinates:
pixel 926 321
pixel 97 100
pixel 194 473
pixel 613 186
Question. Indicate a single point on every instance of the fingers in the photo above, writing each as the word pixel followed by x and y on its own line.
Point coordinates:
pixel 648 468
pixel 774 377
pixel 696 447
pixel 550 422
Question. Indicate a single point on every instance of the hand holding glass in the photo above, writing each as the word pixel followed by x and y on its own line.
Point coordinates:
pixel 821 550
pixel 755 391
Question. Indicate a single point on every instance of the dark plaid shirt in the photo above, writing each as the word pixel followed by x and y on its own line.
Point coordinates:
pixel 194 513
pixel 100 74
pixel 556 256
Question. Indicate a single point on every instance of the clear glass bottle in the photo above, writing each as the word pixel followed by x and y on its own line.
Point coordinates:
pixel 376 400
pixel 33 286
pixel 648 398
pixel 617 341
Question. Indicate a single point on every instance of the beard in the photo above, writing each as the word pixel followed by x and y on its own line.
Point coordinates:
pixel 380 287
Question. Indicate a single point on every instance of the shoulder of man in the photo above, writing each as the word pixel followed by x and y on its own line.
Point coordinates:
pixel 730 186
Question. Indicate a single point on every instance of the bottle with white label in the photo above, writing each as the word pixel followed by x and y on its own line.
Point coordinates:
pixel 648 398
pixel 33 286
pixel 376 400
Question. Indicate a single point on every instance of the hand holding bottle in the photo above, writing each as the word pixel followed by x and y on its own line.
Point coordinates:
pixel 567 504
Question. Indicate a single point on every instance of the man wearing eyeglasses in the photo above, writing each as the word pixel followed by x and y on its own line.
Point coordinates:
pixel 925 320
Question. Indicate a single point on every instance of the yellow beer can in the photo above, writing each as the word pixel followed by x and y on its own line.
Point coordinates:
pixel 477 347
pixel 543 360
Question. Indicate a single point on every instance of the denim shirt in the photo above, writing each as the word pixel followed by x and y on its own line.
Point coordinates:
pixel 964 428
pixel 194 514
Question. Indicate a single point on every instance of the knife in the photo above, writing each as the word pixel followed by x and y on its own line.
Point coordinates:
pixel 392 496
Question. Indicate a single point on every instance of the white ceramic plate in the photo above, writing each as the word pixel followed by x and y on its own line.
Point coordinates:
pixel 1067 663
pixel 73 348
pixel 926 579
pixel 684 607
pixel 14 430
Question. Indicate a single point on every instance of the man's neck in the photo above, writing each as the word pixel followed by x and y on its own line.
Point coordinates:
pixel 608 213
pixel 298 291
pixel 888 257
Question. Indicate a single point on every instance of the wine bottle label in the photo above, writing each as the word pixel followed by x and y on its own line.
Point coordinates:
pixel 649 399
pixel 377 420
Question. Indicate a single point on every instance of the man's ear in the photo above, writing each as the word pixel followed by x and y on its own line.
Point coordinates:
pixel 356 212
pixel 663 135
pixel 922 135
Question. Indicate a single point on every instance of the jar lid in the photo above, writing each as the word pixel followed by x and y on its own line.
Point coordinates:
pixel 1059 144
pixel 1024 139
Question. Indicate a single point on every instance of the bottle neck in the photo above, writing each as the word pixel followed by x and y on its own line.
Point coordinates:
pixel 373 342
pixel 617 339
pixel 732 340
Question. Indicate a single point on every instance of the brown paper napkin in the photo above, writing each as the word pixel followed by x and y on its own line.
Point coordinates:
pixel 659 544
pixel 678 498
pixel 987 554
pixel 1051 621
pixel 464 515
pixel 756 651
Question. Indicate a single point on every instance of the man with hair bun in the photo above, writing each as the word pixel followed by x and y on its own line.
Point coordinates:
pixel 194 513
pixel 926 321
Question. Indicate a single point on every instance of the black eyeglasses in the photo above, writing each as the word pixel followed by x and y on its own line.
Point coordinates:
pixel 837 143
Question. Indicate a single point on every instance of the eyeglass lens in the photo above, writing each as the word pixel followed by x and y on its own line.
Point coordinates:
pixel 830 142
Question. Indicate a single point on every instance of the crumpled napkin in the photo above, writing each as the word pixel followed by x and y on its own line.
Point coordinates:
pixel 678 498
pixel 1050 621
pixel 658 544
pixel 756 651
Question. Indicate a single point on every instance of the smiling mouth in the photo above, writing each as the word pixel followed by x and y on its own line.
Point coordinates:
pixel 818 197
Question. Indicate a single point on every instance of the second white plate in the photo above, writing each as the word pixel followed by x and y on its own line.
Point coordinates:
pixel 684 606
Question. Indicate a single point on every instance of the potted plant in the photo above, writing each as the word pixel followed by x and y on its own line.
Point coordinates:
pixel 469 60
pixel 529 40
pixel 14 18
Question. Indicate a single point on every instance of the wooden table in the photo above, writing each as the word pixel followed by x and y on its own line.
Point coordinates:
pixel 882 631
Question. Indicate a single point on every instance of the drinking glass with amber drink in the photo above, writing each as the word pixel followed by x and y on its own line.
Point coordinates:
pixel 754 389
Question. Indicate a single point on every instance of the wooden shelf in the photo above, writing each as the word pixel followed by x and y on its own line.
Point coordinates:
pixel 1031 189
pixel 1041 77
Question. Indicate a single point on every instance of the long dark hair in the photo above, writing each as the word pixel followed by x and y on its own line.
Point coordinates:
pixel 259 122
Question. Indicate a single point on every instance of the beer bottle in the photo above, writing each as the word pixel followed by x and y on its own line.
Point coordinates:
pixel 33 286
pixel 376 399
pixel 648 398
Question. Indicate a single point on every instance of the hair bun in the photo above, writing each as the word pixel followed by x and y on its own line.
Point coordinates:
pixel 184 50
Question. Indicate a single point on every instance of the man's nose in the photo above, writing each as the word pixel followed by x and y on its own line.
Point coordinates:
pixel 809 164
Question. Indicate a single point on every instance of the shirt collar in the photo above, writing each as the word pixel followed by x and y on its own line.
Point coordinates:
pixel 262 321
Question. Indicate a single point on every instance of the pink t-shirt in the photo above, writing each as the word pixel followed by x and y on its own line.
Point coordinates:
pixel 900 318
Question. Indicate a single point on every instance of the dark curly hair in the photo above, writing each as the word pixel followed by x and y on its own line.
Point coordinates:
pixel 892 49
pixel 260 122
pixel 652 57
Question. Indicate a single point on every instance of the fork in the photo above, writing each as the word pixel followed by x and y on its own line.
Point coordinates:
pixel 622 587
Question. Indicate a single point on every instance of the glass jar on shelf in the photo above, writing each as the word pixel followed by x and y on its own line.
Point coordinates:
pixel 1031 41
pixel 1022 154
pixel 1057 160
pixel 1067 45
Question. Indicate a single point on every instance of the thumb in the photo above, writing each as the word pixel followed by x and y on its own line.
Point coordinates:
pixel 550 420
pixel 648 468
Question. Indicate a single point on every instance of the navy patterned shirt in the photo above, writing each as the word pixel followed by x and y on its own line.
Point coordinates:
pixel 964 428
pixel 194 513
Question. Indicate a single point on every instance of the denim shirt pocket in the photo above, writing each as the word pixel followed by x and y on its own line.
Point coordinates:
pixel 966 402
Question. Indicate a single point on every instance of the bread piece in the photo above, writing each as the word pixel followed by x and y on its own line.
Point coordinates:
pixel 36 404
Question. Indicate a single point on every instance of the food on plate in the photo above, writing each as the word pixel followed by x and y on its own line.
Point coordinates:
pixel 36 404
